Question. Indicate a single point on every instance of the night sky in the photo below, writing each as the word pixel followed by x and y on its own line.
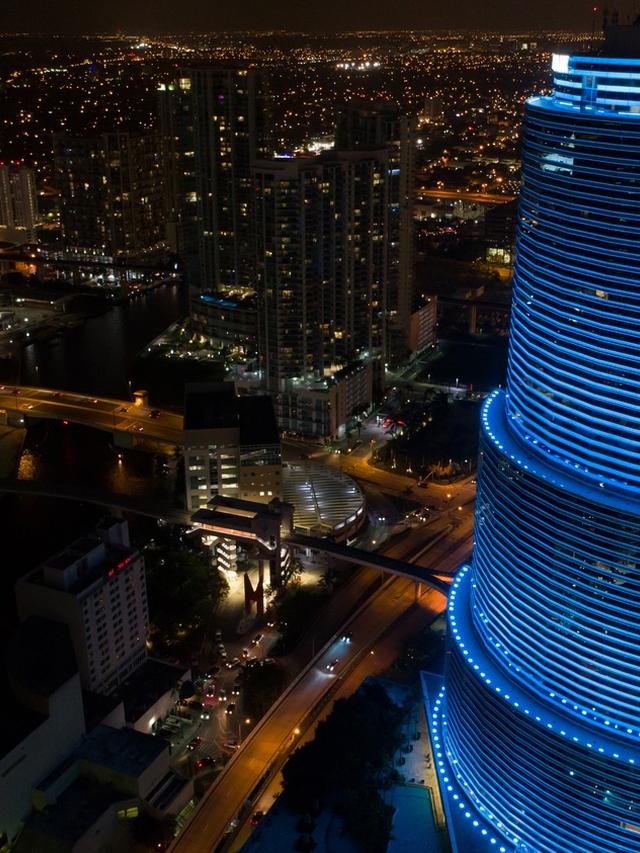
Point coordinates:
pixel 160 16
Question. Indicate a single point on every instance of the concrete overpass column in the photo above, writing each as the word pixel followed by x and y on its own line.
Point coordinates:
pixel 473 319
pixel 123 439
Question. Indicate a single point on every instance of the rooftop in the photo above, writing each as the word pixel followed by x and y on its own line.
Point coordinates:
pixel 30 670
pixel 324 499
pixel 216 405
pixel 59 827
pixel 122 750
pixel 147 684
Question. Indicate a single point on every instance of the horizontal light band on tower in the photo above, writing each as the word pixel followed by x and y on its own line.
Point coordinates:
pixel 543 782
pixel 596 83
pixel 557 583
pixel 537 729
pixel 574 362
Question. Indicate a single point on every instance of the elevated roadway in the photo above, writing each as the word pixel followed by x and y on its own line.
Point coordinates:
pixel 154 506
pixel 130 423
pixel 461 195
pixel 266 747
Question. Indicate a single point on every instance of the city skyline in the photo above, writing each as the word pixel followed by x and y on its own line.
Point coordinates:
pixel 319 430
pixel 161 17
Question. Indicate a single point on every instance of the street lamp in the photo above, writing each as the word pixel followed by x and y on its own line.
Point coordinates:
pixel 246 722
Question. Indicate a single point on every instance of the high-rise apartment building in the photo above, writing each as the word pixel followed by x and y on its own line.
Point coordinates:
pixel 97 587
pixel 18 204
pixel 111 188
pixel 216 122
pixel 323 273
pixel 371 127
pixel 537 731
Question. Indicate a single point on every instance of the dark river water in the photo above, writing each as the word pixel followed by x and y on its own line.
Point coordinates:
pixel 97 357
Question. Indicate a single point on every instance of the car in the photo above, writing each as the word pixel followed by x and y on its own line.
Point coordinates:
pixel 269 660
pixel 231 708
pixel 155 413
pixel 205 715
pixel 218 634
pixel 223 695
pixel 193 703
pixel 332 664
pixel 245 653
pixel 347 637
pixel 194 744
pixel 58 394
pixel 256 817
pixel 223 654
pixel 231 744
pixel 235 690
pixel 205 761
pixel 123 409
pixel 257 639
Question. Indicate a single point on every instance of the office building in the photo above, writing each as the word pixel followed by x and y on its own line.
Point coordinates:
pixel 111 193
pixel 537 730
pixel 18 204
pixel 231 445
pixel 216 121
pixel 97 588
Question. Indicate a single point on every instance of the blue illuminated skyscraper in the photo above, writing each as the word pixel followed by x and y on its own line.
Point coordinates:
pixel 537 731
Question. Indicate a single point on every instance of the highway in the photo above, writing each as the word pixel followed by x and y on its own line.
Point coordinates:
pixel 381 657
pixel 99 412
pixel 460 195
pixel 269 743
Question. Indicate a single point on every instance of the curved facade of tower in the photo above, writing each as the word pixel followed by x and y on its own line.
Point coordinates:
pixel 537 731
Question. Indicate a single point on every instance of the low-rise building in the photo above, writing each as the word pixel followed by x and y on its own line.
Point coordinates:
pixel 321 408
pixel 88 800
pixel 226 320
pixel 422 325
